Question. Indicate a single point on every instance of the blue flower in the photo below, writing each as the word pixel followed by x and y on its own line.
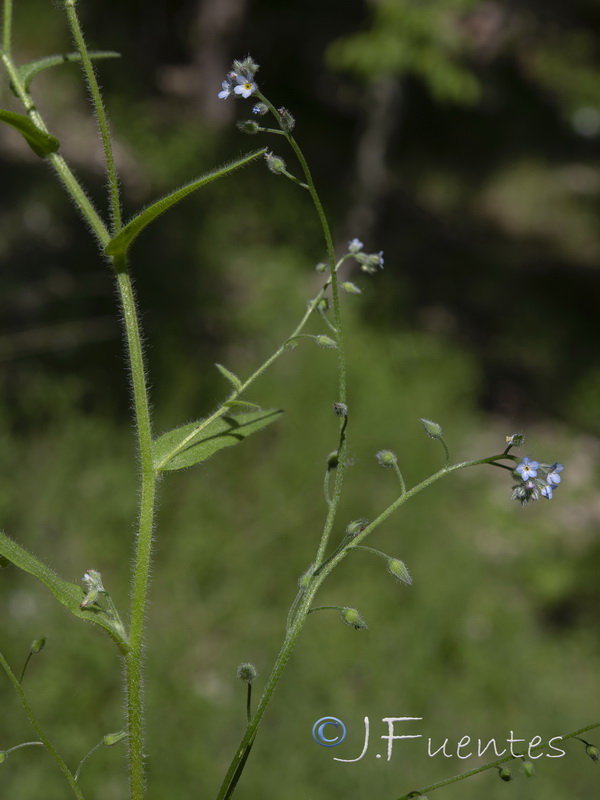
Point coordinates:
pixel 245 86
pixel 355 245
pixel 225 90
pixel 528 468
pixel 553 476
pixel 547 491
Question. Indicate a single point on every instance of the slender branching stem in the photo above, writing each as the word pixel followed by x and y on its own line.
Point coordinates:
pixel 38 729
pixel 492 765
pixel 98 103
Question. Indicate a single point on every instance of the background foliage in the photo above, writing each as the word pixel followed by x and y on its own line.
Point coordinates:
pixel 462 139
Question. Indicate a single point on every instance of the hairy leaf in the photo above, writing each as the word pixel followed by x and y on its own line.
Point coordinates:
pixel 120 243
pixel 69 594
pixel 27 72
pixel 41 143
pixel 195 442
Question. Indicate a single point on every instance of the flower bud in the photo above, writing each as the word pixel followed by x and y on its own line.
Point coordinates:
pixel 275 163
pixel 355 246
pixel 516 440
pixel 37 646
pixel 305 577
pixel 350 288
pixel 247 672
pixel 286 120
pixel 399 570
pixel 432 429
pixel 333 459
pixel 245 66
pixel 527 768
pixel 92 580
pixel 353 618
pixel 248 126
pixel 592 751
pixel 322 267
pixel 505 774
pixel 325 341
pixel 386 458
pixel 356 526
pixel 111 739
pixel 340 409
pixel 260 109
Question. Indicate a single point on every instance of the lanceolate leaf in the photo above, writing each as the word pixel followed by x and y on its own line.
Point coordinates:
pixel 195 442
pixel 233 379
pixel 69 594
pixel 120 243
pixel 27 72
pixel 41 143
pixel 241 404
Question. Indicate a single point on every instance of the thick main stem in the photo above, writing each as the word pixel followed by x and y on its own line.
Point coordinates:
pixel 141 575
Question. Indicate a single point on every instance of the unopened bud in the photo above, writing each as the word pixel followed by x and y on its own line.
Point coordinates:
pixel 325 341
pixel 275 163
pixel 322 267
pixel 505 774
pixel 528 768
pixel 592 751
pixel 399 570
pixel 350 288
pixel 353 618
pixel 432 428
pixel 111 739
pixel 333 459
pixel 92 580
pixel 247 672
pixel 286 120
pixel 37 646
pixel 304 579
pixel 386 458
pixel 356 526
pixel 340 409
pixel 516 440
pixel 260 109
pixel 248 126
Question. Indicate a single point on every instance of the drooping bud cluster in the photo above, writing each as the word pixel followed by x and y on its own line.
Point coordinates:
pixel 369 262
pixel 240 79
pixel 535 480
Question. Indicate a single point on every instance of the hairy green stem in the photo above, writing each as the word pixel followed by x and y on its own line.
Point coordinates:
pixel 98 103
pixel 7 27
pixel 36 726
pixel 141 574
pixel 62 169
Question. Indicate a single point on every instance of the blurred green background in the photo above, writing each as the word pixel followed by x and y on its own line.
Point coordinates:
pixel 460 137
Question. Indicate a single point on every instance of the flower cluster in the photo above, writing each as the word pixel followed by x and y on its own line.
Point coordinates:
pixel 240 80
pixel 535 480
pixel 368 262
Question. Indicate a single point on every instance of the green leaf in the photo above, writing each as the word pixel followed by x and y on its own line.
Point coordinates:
pixel 195 442
pixel 27 72
pixel 41 143
pixel 120 243
pixel 240 404
pixel 69 594
pixel 233 379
